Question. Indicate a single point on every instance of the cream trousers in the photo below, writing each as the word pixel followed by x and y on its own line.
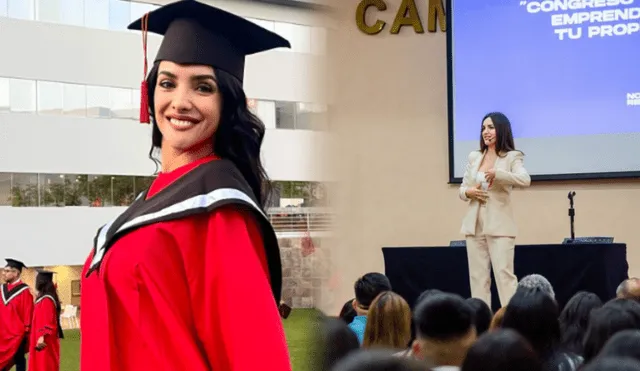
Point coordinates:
pixel 486 251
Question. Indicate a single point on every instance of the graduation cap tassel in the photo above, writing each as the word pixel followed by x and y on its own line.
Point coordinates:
pixel 144 89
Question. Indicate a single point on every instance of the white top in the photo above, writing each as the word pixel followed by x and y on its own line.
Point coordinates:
pixel 481 180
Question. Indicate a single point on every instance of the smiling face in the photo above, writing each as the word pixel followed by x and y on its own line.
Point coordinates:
pixel 489 132
pixel 188 106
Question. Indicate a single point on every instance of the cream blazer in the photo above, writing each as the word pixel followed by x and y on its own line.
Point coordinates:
pixel 499 219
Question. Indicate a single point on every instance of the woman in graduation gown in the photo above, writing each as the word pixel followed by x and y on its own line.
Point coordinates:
pixel 44 344
pixel 189 276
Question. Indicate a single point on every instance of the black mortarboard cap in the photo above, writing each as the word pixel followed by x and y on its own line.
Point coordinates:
pixel 12 263
pixel 47 274
pixel 196 33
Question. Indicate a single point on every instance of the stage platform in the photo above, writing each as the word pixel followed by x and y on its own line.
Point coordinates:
pixel 598 268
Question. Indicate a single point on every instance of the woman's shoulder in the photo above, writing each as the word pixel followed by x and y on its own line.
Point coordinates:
pixel 475 154
pixel 513 154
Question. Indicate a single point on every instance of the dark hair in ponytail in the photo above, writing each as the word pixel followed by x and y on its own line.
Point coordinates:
pixel 238 137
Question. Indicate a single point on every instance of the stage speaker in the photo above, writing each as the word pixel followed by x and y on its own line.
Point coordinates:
pixel 594 240
pixel 458 243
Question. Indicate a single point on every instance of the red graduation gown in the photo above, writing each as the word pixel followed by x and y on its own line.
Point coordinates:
pixel 16 311
pixel 187 294
pixel 45 323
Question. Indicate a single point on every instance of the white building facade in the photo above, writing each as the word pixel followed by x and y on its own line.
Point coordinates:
pixel 72 153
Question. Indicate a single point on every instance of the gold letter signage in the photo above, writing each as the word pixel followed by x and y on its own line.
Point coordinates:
pixel 406 15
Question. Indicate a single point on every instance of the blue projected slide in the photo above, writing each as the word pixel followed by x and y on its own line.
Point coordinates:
pixel 566 73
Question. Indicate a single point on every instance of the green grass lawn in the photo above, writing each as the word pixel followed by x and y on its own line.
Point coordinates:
pixel 298 328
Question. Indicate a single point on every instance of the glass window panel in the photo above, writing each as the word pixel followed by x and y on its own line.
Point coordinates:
pixel 120 103
pixel 135 104
pixel 98 101
pixel 72 12
pixel 22 9
pixel 74 99
pixel 4 8
pixel 4 95
pixel 119 15
pixel 48 10
pixel 285 115
pixel 25 191
pixel 269 25
pixel 52 189
pixel 96 14
pixel 310 116
pixel 6 180
pixel 139 9
pixel 318 40
pixel 266 111
pixel 299 36
pixel 22 95
pixel 50 95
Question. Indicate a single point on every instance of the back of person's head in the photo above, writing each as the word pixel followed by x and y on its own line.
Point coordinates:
pixel 388 322
pixel 501 350
pixel 631 306
pixel 534 314
pixel 496 321
pixel 629 289
pixel 347 313
pixel 423 295
pixel 625 343
pixel 445 329
pixel 604 322
pixel 378 360
pixel 613 364
pixel 574 319
pixel 368 287
pixel 483 314
pixel 336 340
pixel 537 281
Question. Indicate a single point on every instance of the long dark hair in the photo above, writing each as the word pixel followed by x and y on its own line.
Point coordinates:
pixel 504 134
pixel 46 287
pixel 574 319
pixel 238 137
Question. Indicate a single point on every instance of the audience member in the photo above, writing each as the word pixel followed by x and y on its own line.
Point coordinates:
pixel 445 329
pixel 534 314
pixel 537 281
pixel 502 350
pixel 613 364
pixel 336 341
pixel 629 289
pixel 496 321
pixel 378 360
pixel 574 320
pixel 366 288
pixel 604 322
pixel 388 322
pixel 625 343
pixel 347 314
pixel 483 314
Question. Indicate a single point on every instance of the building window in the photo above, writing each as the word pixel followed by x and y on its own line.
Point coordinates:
pixel 74 98
pixel 50 98
pixel 4 95
pixel 96 14
pixel 98 100
pixel 119 15
pixel 22 95
pixel 4 8
pixel 48 10
pixel 285 115
pixel 57 190
pixel 72 12
pixel 21 9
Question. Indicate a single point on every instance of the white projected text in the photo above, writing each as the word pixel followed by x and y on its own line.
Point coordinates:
pixel 576 19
